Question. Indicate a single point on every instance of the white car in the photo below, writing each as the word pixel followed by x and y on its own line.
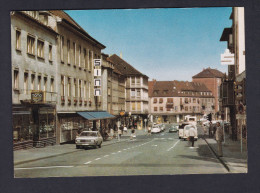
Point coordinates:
pixel 186 132
pixel 89 138
pixel 155 129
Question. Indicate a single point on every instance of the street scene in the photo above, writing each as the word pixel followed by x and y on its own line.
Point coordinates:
pixel 163 94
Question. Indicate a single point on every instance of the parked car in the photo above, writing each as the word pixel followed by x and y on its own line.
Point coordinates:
pixel 162 127
pixel 155 129
pixel 186 132
pixel 89 138
pixel 173 128
pixel 181 129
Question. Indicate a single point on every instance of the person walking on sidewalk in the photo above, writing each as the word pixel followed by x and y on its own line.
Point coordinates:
pixel 219 138
pixel 211 130
pixel 192 134
pixel 119 132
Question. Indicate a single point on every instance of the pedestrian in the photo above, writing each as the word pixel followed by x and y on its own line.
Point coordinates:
pixel 119 132
pixel 125 129
pixel 149 130
pixel 210 130
pixel 205 129
pixel 132 133
pixel 219 138
pixel 192 134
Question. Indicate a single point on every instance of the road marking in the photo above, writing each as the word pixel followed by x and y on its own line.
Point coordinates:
pixel 47 167
pixel 113 153
pixel 173 145
pixel 154 145
pixel 106 155
pixel 119 151
pixel 124 149
pixel 98 158
pixel 88 162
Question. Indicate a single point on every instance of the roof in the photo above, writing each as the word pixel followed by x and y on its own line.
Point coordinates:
pixel 225 34
pixel 123 67
pixel 176 89
pixel 209 73
pixel 95 115
pixel 67 19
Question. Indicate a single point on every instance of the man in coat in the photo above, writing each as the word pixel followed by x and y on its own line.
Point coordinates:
pixel 219 138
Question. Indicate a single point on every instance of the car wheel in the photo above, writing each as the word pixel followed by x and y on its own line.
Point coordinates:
pixel 179 137
pixel 77 146
pixel 100 145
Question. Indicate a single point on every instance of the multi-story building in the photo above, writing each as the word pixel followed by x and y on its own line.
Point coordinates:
pixel 233 96
pixel 34 72
pixel 136 91
pixel 170 101
pixel 212 79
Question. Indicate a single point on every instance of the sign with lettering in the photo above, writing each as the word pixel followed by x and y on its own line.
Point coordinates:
pixel 37 96
pixel 97 62
pixel 97 72
pixel 97 82
pixel 227 58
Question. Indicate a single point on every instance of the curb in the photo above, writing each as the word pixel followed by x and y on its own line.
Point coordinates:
pixel 221 161
pixel 61 154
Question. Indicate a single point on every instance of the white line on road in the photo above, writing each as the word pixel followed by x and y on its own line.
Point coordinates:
pixel 106 155
pixel 98 158
pixel 88 162
pixel 47 167
pixel 113 153
pixel 119 151
pixel 173 145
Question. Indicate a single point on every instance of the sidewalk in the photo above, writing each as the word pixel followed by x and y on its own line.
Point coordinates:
pixel 233 159
pixel 33 154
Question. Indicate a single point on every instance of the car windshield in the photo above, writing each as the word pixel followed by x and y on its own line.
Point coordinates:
pixel 93 134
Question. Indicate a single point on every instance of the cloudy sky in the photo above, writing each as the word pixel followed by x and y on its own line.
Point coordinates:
pixel 164 44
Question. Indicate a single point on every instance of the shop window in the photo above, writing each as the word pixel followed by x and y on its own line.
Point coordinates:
pixel 30 45
pixel 40 49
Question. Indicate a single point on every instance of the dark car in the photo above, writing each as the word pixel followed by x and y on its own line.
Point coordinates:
pixel 173 128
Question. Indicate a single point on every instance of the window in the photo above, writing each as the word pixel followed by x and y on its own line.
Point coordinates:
pixel 62 86
pixel 169 100
pixel 161 100
pixel 79 56
pixel 161 108
pixel 68 51
pixel 32 82
pixel 80 88
pixel 168 109
pixel 39 82
pixel 16 79
pixel 108 91
pixel 137 80
pixel 139 106
pixel 155 108
pixel 69 87
pixel 133 106
pixel 75 88
pixel 52 84
pixel 194 100
pixel 132 92
pixel 186 108
pixel 18 39
pixel 89 91
pixel 62 49
pixel 30 45
pixel 155 100
pixel 25 83
pixel 74 52
pixel 138 93
pixel 85 58
pixel 132 80
pixel 89 60
pixel 50 52
pixel 40 49
pixel 45 83
pixel 85 90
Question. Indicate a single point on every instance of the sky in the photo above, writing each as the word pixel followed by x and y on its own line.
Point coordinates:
pixel 165 43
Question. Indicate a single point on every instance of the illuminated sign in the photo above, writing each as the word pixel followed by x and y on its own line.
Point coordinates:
pixel 37 96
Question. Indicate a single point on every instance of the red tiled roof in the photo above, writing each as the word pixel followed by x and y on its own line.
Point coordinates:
pixel 124 67
pixel 175 89
pixel 209 73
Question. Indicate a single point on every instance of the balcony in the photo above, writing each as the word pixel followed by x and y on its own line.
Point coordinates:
pixel 80 101
pixel 62 100
pixel 75 100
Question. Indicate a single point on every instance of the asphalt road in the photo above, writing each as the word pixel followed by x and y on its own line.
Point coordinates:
pixel 158 154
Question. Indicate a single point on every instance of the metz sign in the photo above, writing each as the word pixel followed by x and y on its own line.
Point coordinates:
pixel 37 97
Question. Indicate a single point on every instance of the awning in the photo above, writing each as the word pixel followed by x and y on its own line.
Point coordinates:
pixel 95 115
